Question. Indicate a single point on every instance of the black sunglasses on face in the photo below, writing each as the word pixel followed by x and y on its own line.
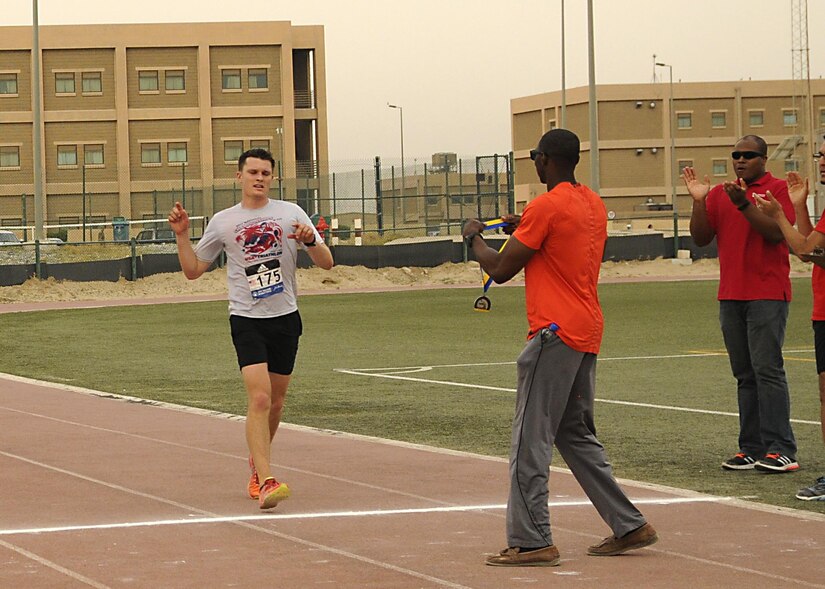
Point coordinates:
pixel 534 153
pixel 748 155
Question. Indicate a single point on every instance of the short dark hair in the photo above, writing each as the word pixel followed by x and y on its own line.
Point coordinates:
pixel 256 152
pixel 561 145
pixel 761 143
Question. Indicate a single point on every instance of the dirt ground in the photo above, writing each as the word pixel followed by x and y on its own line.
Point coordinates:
pixel 340 278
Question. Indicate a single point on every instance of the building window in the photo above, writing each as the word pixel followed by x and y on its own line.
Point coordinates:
pixel 720 167
pixel 64 83
pixel 93 154
pixel 232 150
pixel 66 156
pixel 756 118
pixel 8 84
pixel 791 165
pixel 789 117
pixel 175 81
pixel 551 124
pixel 718 119
pixel 176 153
pixel 684 164
pixel 231 79
pixel 684 120
pixel 150 153
pixel 257 79
pixel 259 144
pixel 10 156
pixel 821 116
pixel 91 83
pixel 148 81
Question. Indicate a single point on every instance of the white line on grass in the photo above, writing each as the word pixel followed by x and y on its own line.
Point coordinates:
pixel 341 514
pixel 395 376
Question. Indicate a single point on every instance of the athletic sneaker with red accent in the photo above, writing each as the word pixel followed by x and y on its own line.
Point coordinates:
pixel 775 462
pixel 272 493
pixel 739 462
pixel 254 486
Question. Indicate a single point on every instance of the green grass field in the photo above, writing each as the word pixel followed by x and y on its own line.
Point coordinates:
pixel 662 356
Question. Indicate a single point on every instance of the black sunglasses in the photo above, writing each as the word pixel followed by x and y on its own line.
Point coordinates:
pixel 748 155
pixel 534 153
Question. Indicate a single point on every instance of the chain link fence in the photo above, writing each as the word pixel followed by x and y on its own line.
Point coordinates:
pixel 362 201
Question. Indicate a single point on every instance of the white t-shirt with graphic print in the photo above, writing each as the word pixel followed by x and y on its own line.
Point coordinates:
pixel 261 259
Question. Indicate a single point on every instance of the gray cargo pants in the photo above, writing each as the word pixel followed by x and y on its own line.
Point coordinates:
pixel 554 405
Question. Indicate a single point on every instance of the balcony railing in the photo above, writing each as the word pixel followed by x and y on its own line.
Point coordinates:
pixel 304 99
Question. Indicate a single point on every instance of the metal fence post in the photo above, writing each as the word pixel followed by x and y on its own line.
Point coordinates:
pixel 511 184
pixel 133 253
pixel 37 270
pixel 83 194
pixel 426 202
pixel 25 220
pixel 183 183
pixel 447 192
pixel 379 203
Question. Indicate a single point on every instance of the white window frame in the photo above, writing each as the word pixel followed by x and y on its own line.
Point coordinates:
pixel 794 112
pixel 724 164
pixel 682 164
pixel 145 74
pixel 144 145
pixel 249 77
pixel 64 77
pixel 91 75
pixel 13 77
pixel 225 71
pixel 66 148
pixel 267 140
pixel 230 160
pixel 181 76
pixel 682 113
pixel 16 147
pixel 756 111
pixel 92 148
pixel 724 115
pixel 176 146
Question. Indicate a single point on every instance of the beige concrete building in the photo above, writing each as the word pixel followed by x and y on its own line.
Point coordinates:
pixel 134 111
pixel 635 136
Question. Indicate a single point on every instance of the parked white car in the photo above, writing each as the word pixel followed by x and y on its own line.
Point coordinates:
pixel 8 238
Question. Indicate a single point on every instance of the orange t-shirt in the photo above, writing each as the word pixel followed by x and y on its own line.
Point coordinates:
pixel 568 229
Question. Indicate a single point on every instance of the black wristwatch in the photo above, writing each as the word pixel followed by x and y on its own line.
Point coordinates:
pixel 469 239
pixel 312 243
pixel 744 205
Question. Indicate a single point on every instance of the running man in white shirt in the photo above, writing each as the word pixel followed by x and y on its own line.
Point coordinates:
pixel 261 238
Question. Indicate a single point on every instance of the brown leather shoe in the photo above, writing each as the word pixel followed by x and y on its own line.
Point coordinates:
pixel 638 538
pixel 513 557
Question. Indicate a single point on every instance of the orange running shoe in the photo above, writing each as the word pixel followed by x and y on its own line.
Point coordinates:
pixel 272 493
pixel 254 486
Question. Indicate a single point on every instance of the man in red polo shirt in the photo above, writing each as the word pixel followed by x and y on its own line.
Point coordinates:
pixel 803 242
pixel 559 241
pixel 754 295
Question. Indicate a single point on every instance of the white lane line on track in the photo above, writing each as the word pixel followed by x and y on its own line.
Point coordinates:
pixel 249 525
pixel 511 390
pixel 343 514
pixel 53 565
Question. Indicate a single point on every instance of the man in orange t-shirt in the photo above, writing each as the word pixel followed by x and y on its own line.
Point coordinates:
pixel 803 242
pixel 559 241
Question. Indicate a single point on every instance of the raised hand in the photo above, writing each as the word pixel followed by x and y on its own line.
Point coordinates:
pixel 698 190
pixel 768 205
pixel 735 190
pixel 797 189
pixel 178 219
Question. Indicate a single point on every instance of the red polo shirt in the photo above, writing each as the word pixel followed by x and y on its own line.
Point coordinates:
pixel 818 283
pixel 568 228
pixel 750 268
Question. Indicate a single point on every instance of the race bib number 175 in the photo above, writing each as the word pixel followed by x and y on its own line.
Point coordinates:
pixel 265 279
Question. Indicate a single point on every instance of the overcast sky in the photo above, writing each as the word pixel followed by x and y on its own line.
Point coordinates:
pixel 454 65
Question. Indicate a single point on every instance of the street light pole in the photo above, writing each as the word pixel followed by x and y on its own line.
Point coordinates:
pixel 37 119
pixel 672 117
pixel 401 115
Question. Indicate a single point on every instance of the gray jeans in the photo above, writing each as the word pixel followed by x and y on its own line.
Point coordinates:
pixel 754 333
pixel 554 405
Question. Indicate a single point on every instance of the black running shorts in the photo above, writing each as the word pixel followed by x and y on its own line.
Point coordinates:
pixel 819 345
pixel 273 341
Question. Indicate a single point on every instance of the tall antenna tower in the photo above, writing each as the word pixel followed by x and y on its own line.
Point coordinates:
pixel 802 103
